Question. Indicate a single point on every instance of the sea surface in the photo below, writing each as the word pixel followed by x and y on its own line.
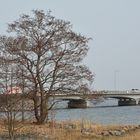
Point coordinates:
pixel 106 112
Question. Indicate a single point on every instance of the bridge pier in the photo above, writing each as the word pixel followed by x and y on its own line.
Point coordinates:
pixel 127 102
pixel 77 103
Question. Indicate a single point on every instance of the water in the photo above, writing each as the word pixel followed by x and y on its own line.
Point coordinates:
pixel 107 112
pixel 24 137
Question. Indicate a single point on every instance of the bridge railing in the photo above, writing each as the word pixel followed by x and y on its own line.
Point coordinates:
pixel 116 92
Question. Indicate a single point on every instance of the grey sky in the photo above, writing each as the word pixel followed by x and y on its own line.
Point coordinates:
pixel 114 26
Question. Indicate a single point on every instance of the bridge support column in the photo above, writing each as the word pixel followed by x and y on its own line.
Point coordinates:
pixel 77 103
pixel 126 102
pixel 137 101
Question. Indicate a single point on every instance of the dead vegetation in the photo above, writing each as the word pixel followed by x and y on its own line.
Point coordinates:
pixel 73 130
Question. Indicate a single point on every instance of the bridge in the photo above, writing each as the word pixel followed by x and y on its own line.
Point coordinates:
pixel 124 98
pixel 80 100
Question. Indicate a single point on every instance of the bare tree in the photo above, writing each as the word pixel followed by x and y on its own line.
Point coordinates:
pixel 9 102
pixel 50 54
pixel 12 98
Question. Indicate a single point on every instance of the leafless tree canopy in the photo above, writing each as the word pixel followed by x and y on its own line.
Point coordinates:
pixel 48 54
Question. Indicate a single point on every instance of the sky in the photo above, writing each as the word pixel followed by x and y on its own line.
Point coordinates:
pixel 113 25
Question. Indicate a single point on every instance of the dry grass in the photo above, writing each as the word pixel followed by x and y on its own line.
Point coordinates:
pixel 130 136
pixel 62 131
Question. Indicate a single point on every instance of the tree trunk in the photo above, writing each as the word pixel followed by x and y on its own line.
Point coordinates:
pixel 41 109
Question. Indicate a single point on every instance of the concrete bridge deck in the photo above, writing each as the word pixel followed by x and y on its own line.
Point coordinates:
pixel 79 99
pixel 124 97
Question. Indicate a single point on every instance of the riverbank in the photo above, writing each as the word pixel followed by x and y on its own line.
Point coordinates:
pixel 73 130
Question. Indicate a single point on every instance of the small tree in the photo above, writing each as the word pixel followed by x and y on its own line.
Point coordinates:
pixel 50 54
pixel 12 98
pixel 9 99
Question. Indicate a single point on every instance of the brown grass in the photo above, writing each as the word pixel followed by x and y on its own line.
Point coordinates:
pixel 61 131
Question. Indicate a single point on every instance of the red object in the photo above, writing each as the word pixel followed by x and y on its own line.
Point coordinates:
pixel 13 90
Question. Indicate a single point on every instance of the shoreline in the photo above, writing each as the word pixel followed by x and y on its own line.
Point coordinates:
pixel 73 130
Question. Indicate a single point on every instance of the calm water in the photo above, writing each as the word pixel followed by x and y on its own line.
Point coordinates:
pixel 26 137
pixel 107 112
pixel 104 113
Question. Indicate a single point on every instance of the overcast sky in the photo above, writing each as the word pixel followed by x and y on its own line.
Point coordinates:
pixel 114 25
